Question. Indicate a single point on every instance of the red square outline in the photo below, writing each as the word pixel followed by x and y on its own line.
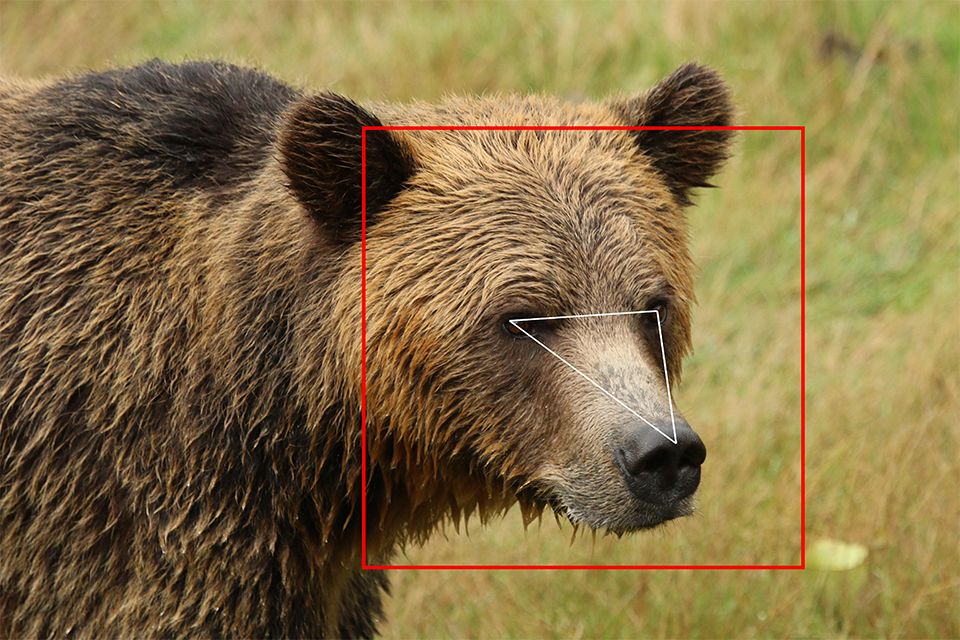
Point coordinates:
pixel 363 349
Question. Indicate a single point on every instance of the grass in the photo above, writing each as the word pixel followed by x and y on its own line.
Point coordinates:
pixel 883 284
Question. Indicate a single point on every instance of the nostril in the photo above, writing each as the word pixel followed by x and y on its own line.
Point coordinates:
pixel 648 452
pixel 653 461
pixel 693 454
pixel 637 460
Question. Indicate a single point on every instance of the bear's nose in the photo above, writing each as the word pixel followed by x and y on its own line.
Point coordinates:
pixel 657 470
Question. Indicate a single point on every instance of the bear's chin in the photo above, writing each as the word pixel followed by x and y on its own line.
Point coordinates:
pixel 621 519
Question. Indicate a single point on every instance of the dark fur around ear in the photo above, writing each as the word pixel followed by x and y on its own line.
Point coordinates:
pixel 320 155
pixel 693 95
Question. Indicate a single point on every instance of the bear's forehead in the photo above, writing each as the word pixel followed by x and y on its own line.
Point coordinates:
pixel 571 180
pixel 586 165
pixel 570 236
pixel 497 110
pixel 437 148
pixel 568 201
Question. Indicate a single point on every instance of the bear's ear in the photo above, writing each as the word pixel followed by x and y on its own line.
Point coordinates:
pixel 693 95
pixel 320 154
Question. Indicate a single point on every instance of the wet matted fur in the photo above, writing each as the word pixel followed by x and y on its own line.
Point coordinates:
pixel 180 349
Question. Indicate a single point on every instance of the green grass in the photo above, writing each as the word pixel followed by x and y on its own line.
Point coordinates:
pixel 883 284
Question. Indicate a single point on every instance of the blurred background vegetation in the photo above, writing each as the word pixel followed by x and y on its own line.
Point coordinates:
pixel 877 85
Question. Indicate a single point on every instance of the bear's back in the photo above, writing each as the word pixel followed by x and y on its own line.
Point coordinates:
pixel 110 180
pixel 195 124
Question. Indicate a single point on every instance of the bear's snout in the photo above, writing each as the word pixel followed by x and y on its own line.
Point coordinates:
pixel 656 470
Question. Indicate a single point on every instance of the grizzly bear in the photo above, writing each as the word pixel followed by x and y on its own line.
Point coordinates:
pixel 180 337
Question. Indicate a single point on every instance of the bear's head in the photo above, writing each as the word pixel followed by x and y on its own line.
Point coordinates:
pixel 469 230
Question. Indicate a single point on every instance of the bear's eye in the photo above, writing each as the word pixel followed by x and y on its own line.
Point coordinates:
pixel 535 328
pixel 662 308
pixel 512 329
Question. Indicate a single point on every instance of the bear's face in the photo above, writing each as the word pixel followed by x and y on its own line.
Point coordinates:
pixel 478 228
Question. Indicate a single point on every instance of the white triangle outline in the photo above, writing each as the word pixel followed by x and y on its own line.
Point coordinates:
pixel 663 354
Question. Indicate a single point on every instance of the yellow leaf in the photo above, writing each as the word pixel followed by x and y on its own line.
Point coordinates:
pixel 835 555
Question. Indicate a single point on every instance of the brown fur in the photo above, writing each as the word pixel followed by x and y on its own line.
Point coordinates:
pixel 180 335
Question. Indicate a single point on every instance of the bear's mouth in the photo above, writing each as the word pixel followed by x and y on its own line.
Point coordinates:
pixel 618 515
pixel 632 519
